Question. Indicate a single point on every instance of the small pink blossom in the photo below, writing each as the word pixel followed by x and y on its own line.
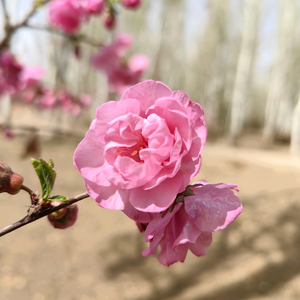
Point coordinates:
pixel 66 15
pixel 190 224
pixel 140 152
pixel 47 99
pixel 120 74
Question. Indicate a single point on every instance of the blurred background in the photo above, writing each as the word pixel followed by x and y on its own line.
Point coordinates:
pixel 239 59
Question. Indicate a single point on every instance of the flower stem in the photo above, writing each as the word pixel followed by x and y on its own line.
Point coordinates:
pixel 31 217
pixel 27 189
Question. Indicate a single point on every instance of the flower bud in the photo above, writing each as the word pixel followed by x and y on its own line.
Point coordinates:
pixel 110 21
pixel 64 217
pixel 131 3
pixel 10 182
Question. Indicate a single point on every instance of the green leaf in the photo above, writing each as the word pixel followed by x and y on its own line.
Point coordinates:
pixel 58 198
pixel 51 163
pixel 46 175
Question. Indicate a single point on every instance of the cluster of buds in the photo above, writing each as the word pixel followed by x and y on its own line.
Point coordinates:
pixel 67 15
pixel 10 182
pixel 64 217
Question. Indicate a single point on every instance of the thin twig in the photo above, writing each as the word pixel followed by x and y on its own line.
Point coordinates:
pixel 10 29
pixel 73 38
pixel 6 17
pixel 33 217
pixel 32 11
pixel 42 131
pixel 27 189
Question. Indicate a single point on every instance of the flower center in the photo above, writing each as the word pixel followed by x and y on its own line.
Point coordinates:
pixel 133 151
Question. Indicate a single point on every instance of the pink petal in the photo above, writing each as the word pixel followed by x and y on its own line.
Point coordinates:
pixel 171 110
pixel 212 208
pixel 159 222
pixel 147 92
pixel 159 198
pixel 199 247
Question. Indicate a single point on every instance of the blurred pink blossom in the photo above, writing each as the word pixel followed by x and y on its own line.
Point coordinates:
pixel 66 15
pixel 10 71
pixel 120 74
pixel 47 99
pixel 190 224
pixel 140 152
pixel 30 76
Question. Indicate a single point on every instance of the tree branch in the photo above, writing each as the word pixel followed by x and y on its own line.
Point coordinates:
pixel 10 29
pixel 5 13
pixel 42 131
pixel 73 38
pixel 32 11
pixel 31 217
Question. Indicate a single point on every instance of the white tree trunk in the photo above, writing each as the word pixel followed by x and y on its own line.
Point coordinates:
pixel 244 68
pixel 295 132
pixel 279 101
pixel 5 108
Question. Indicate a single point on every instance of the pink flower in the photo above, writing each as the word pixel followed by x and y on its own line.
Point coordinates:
pixel 109 57
pixel 66 15
pixel 190 224
pixel 126 76
pixel 120 74
pixel 141 152
pixel 131 3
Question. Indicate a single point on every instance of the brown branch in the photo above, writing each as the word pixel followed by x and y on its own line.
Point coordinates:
pixel 32 11
pixel 73 38
pixel 6 17
pixel 21 129
pixel 35 216
pixel 10 29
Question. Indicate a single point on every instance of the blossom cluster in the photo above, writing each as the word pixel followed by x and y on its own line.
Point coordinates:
pixel 67 15
pixel 121 73
pixel 140 155
pixel 24 84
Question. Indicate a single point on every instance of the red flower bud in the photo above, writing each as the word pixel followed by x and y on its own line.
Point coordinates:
pixel 110 21
pixel 10 182
pixel 131 3
pixel 64 217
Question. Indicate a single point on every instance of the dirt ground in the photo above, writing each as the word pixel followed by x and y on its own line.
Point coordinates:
pixel 256 258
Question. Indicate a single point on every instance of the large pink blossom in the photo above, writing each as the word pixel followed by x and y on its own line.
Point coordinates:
pixel 121 74
pixel 66 15
pixel 140 152
pixel 190 224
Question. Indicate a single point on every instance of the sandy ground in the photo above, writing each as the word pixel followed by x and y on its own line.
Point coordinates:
pixel 257 257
